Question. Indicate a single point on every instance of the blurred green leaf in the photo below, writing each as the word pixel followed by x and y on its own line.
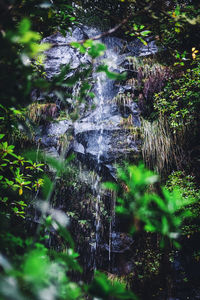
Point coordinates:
pixel 111 75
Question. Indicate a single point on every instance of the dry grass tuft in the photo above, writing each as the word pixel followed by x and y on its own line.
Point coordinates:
pixel 123 99
pixel 160 150
pixel 38 112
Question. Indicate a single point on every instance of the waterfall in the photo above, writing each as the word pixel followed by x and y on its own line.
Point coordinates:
pixel 100 99
pixel 104 87
pixel 99 139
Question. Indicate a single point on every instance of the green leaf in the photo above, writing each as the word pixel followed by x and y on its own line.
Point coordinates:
pixel 15 209
pixel 78 46
pixel 142 40
pixel 22 203
pixel 111 75
pixel 66 235
pixel 110 186
pixel 69 259
pixel 91 95
pixel 96 50
pixel 4 199
pixel 24 26
pixel 88 43
pixel 27 182
pixel 165 226
pixel 176 244
pixel 47 187
pixel 177 11
pixel 160 202
pixel 145 32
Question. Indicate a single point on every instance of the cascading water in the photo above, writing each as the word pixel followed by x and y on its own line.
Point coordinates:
pixel 103 89
pixel 98 139
pixel 100 99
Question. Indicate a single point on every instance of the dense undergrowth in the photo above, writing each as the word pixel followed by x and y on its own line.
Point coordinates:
pixel 167 90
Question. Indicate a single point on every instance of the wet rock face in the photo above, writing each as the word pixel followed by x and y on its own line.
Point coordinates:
pixel 49 136
pixel 121 248
pixel 121 243
pixel 116 144
pixel 62 53
pixel 99 136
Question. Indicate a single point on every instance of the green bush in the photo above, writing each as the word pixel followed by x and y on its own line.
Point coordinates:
pixel 179 101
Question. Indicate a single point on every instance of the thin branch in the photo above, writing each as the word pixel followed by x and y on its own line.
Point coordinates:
pixel 99 36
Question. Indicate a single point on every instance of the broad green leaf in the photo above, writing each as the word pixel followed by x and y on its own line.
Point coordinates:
pixel 47 187
pixel 111 75
pixel 24 26
pixel 145 32
pixel 96 50
pixel 142 40
pixel 88 43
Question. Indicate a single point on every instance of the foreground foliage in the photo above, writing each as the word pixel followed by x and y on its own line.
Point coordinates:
pixel 149 211
pixel 29 269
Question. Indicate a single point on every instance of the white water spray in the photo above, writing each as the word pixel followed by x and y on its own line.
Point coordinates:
pixel 102 87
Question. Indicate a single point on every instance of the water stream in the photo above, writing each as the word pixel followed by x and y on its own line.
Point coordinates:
pixel 104 87
pixel 98 140
pixel 100 99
